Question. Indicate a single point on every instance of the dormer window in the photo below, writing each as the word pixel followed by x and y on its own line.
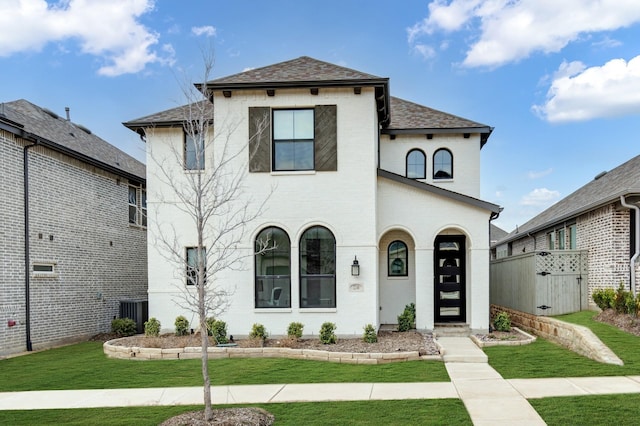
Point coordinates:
pixel 443 164
pixel 416 164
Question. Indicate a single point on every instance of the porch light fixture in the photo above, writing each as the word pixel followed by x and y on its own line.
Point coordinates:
pixel 355 267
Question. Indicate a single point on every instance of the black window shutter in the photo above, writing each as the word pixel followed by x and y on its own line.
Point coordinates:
pixel 326 138
pixel 259 143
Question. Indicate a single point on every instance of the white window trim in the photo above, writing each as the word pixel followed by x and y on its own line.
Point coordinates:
pixel 44 274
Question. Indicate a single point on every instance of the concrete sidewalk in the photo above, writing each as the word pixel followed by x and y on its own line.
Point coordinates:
pixel 489 398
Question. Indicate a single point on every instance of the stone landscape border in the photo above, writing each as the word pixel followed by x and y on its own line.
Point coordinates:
pixel 139 353
pixel 483 344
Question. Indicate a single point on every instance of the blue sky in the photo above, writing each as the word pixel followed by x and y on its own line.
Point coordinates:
pixel 559 80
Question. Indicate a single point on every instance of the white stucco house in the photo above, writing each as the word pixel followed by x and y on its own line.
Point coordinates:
pixel 357 174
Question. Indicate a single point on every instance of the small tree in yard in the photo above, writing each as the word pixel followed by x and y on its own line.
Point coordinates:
pixel 209 193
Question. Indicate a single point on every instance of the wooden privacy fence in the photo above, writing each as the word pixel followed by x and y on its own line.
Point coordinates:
pixel 541 282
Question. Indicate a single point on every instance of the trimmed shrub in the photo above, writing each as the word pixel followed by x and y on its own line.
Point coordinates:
pixel 218 330
pixel 604 298
pixel 370 335
pixel 123 327
pixel 258 332
pixel 327 335
pixel 407 320
pixel 182 325
pixel 152 327
pixel 502 322
pixel 620 300
pixel 295 330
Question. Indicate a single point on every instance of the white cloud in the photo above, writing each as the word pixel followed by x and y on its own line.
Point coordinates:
pixel 207 30
pixel 579 93
pixel 425 51
pixel 511 30
pixel 539 174
pixel 540 197
pixel 109 30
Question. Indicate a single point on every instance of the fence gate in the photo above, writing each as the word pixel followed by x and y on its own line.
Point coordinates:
pixel 561 282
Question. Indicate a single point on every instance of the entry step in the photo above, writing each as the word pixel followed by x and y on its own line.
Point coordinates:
pixel 451 330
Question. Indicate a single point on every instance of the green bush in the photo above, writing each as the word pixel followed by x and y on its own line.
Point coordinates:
pixel 620 300
pixel 217 329
pixel 295 330
pixel 630 304
pixel 182 325
pixel 604 298
pixel 327 335
pixel 502 322
pixel 407 320
pixel 152 327
pixel 370 335
pixel 123 327
pixel 258 332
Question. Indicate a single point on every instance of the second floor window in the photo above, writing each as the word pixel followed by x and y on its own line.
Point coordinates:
pixel 193 259
pixel 193 152
pixel 137 206
pixel 442 164
pixel 416 164
pixel 293 139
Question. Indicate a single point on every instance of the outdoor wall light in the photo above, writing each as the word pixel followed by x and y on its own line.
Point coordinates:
pixel 355 267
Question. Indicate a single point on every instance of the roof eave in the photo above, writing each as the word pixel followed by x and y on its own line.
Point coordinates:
pixel 494 208
pixel 484 131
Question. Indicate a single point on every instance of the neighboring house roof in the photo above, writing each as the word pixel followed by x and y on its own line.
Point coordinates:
pixel 496 233
pixel 440 191
pixel 411 118
pixel 604 189
pixel 172 117
pixel 31 122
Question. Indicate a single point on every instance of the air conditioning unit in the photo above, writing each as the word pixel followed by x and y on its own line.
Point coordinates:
pixel 137 310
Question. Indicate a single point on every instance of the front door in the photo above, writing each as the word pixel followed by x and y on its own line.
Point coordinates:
pixel 449 286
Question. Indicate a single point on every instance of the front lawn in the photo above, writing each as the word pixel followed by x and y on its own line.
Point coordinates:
pixel 605 410
pixel 407 412
pixel 545 359
pixel 84 366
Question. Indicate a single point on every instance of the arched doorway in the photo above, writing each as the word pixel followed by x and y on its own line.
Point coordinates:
pixel 397 283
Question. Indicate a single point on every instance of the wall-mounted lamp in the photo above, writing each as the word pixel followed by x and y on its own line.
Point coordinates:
pixel 355 267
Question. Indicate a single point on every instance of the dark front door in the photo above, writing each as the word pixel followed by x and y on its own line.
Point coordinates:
pixel 449 284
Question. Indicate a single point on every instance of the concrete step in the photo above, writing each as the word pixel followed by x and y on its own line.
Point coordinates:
pixel 460 349
pixel 451 330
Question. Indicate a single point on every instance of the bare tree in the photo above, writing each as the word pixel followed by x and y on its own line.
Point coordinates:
pixel 202 179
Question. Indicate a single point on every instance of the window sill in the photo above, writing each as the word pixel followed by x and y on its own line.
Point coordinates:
pixel 272 310
pixel 37 275
pixel 293 172
pixel 317 310
pixel 398 278
pixel 133 225
pixel 442 180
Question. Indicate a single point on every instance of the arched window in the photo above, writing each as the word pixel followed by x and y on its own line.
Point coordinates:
pixel 416 164
pixel 273 269
pixel 317 268
pixel 442 164
pixel 398 259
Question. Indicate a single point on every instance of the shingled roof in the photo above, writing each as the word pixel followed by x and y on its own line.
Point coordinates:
pixel 171 117
pixel 604 189
pixel 32 122
pixel 402 117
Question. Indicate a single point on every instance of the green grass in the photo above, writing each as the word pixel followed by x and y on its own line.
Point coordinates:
pixel 84 366
pixel 545 359
pixel 621 410
pixel 407 412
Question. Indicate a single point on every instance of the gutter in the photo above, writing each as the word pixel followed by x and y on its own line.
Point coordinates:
pixel 27 269
pixel 636 251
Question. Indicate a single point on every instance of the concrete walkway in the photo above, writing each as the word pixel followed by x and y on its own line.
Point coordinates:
pixel 488 397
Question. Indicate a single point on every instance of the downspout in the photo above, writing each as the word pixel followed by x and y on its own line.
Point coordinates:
pixel 534 240
pixel 636 251
pixel 494 216
pixel 27 269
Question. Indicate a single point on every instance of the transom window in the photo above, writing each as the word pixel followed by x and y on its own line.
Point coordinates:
pixel 443 164
pixel 317 268
pixel 398 264
pixel 273 269
pixel 416 164
pixel 193 259
pixel 293 139
pixel 193 152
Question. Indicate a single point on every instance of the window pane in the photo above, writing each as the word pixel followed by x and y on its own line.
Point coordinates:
pixel 284 156
pixel 194 154
pixel 317 268
pixel 132 195
pixel 317 292
pixel 416 165
pixel 192 264
pixel 133 214
pixel 283 124
pixel 397 258
pixel 572 237
pixel 303 155
pixel 442 165
pixel 273 269
pixel 303 124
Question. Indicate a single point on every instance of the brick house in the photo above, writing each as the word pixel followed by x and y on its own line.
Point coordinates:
pixel 80 203
pixel 361 179
pixel 600 217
